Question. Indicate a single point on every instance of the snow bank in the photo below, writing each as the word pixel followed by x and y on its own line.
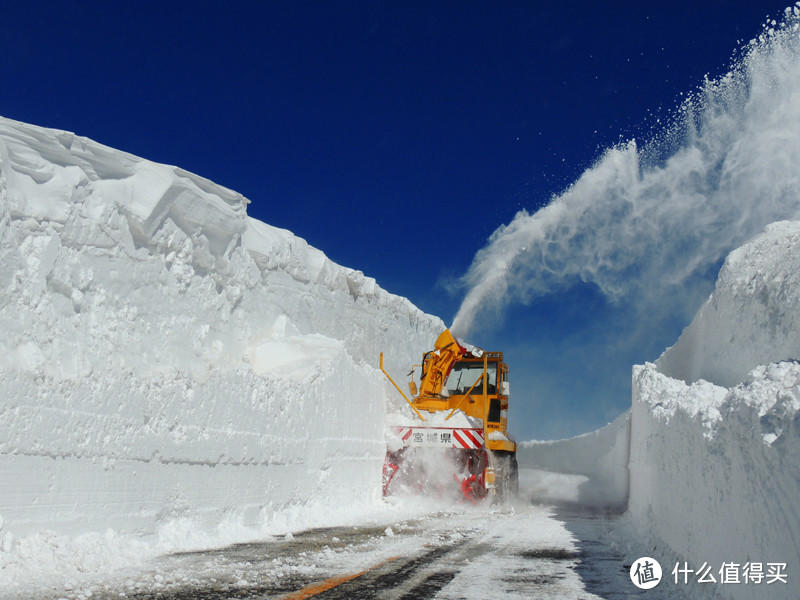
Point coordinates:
pixel 715 469
pixel 165 359
pixel 600 456
pixel 710 471
pixel 752 318
pixel 715 474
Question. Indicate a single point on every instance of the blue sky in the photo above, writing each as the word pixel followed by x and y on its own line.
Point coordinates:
pixel 394 136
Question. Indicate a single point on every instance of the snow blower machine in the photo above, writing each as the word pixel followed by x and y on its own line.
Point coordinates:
pixel 455 443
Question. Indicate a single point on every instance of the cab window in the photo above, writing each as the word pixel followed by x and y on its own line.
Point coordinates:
pixel 465 374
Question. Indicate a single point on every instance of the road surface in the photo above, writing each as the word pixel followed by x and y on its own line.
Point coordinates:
pixel 521 551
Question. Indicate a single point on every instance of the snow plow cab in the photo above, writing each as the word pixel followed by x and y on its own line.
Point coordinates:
pixel 455 442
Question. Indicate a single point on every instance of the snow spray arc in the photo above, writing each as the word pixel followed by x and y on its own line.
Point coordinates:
pixel 644 221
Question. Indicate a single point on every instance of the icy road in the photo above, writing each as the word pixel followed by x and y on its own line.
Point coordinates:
pixel 521 550
pixel 510 552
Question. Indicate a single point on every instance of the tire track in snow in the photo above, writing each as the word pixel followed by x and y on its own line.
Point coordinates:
pixel 511 553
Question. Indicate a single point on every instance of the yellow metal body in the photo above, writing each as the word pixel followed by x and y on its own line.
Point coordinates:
pixel 436 365
pixel 475 383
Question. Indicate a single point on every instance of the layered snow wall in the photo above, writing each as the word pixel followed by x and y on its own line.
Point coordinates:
pixel 165 358
pixel 601 457
pixel 715 425
pixel 752 318
pixel 715 476
pixel 708 458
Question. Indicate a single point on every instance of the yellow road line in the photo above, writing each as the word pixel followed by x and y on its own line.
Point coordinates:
pixel 323 586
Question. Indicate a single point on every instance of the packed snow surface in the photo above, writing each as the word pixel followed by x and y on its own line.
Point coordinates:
pixel 173 373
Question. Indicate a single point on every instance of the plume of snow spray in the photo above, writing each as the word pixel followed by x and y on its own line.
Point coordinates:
pixel 649 224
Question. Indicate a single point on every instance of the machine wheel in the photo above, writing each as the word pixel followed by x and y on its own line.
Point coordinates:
pixel 514 486
pixel 506 475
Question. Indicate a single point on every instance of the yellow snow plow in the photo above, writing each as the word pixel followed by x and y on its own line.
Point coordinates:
pixel 455 441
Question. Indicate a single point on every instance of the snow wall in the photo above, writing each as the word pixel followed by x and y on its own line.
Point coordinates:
pixel 600 456
pixel 708 458
pixel 715 425
pixel 167 362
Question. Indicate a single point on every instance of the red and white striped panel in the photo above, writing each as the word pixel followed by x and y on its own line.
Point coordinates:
pixel 441 437
pixel 468 438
